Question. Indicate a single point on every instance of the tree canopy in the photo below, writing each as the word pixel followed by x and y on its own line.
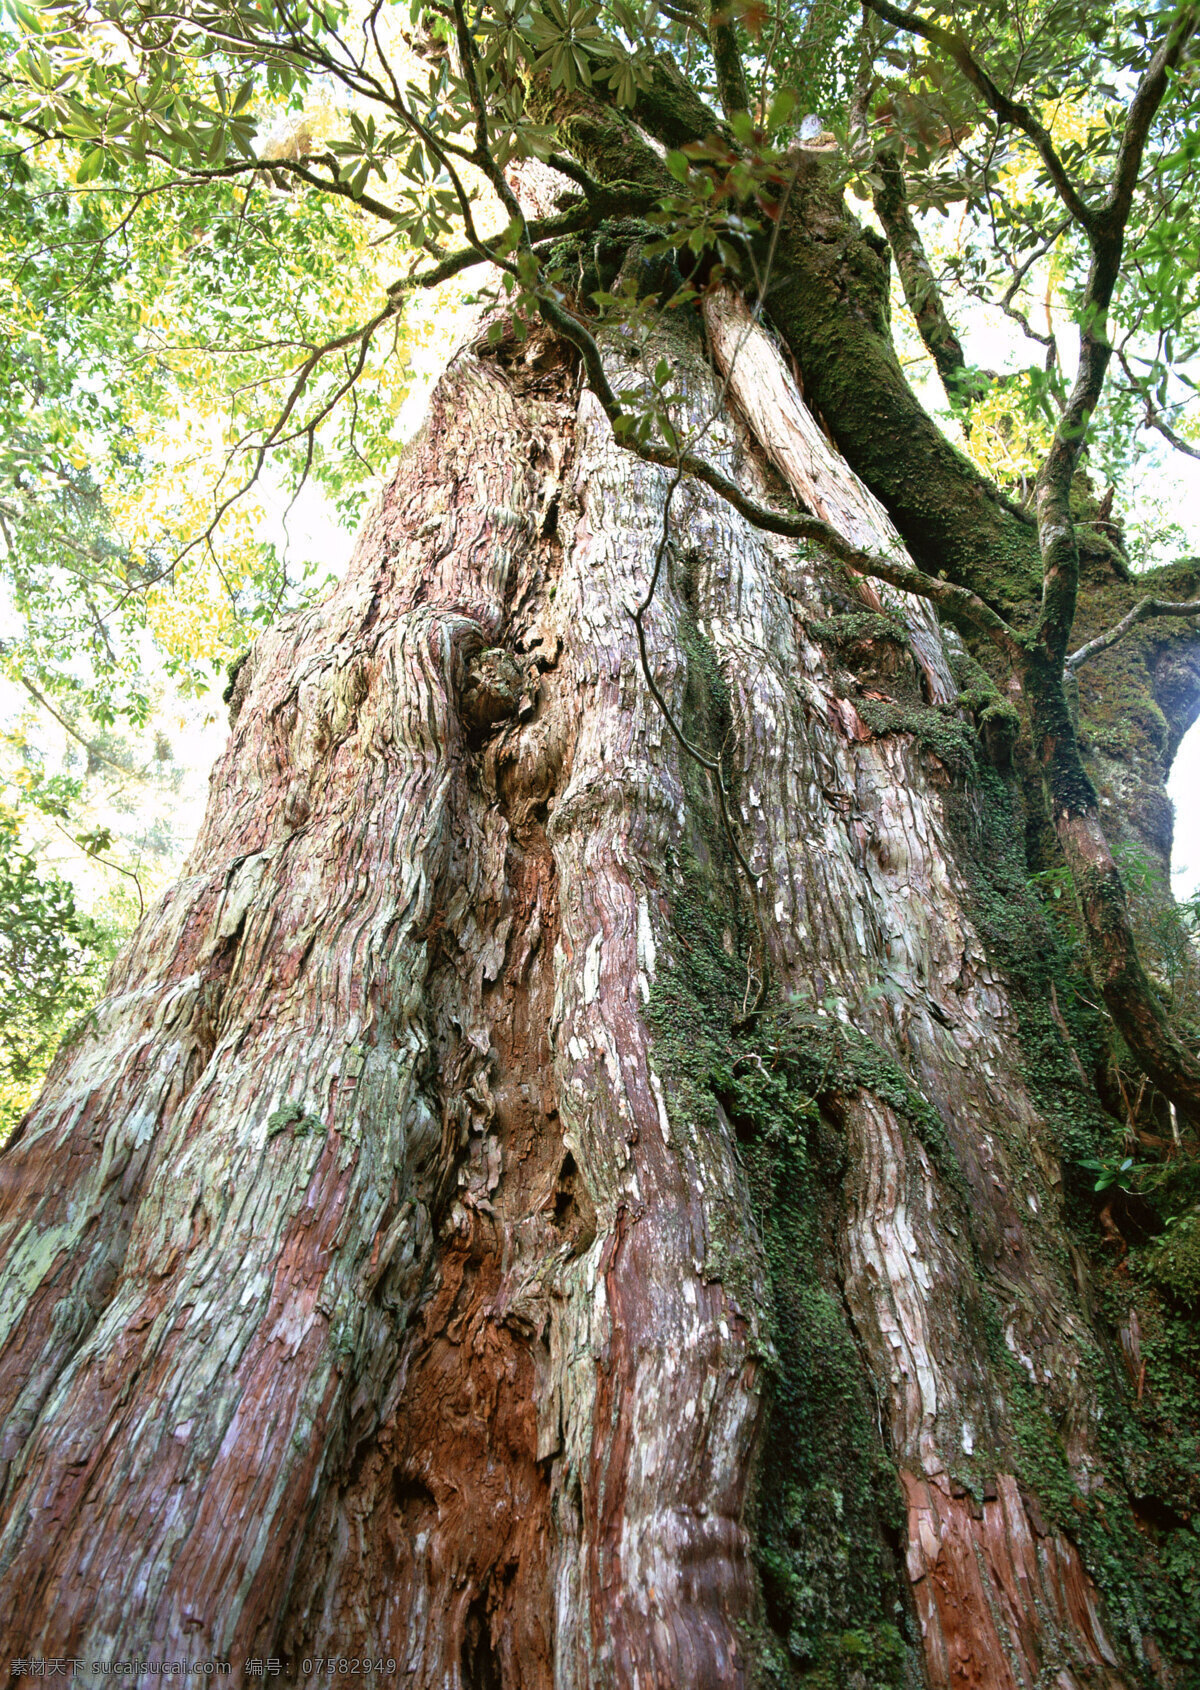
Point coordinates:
pixel 214 216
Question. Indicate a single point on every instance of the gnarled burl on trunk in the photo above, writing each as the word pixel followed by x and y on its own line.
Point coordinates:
pixel 426 1252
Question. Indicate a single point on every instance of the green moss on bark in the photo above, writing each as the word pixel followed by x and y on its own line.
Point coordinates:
pixel 859 627
pixel 829 301
pixel 1139 1528
pixel 936 728
pixel 829 1514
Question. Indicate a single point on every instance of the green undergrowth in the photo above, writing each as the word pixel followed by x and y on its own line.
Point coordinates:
pixel 290 1116
pixel 997 718
pixel 1171 1264
pixel 846 629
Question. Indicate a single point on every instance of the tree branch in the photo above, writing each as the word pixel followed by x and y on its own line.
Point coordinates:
pixel 1154 417
pixel 920 286
pixel 1009 111
pixel 579 220
pixel 1143 611
pixel 483 144
pixel 1142 108
pixel 727 60
pixel 669 108
pixel 1155 420
pixel 93 751
pixel 574 173
pixel 1106 236
pixel 330 185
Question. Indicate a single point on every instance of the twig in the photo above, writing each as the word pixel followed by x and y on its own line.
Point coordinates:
pixel 1141 612
pixel 1154 417
pixel 92 750
pixel 130 874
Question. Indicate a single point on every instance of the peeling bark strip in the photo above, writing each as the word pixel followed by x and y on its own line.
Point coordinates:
pixel 980 1574
pixel 370 1281
pixel 783 425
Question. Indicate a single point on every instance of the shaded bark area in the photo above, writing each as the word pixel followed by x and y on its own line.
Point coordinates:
pixel 424 1255
pixel 1136 702
pixel 437 1537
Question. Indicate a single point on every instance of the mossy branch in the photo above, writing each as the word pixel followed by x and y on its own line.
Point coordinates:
pixel 1144 611
pixel 727 60
pixel 921 291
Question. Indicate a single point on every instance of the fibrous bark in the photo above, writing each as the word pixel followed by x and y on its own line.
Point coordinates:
pixel 423 1255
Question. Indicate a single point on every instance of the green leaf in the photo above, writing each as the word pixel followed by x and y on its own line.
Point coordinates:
pixel 782 108
pixel 91 165
pixel 26 16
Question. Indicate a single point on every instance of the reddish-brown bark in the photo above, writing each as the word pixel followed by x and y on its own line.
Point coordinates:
pixel 373 1285
pixel 444 1519
pixel 997 1592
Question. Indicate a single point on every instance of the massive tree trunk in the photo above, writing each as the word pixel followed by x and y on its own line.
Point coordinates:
pixel 429 1251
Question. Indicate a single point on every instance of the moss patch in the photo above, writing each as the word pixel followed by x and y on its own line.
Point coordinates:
pixel 1172 1263
pixel 829 1513
pixel 859 627
pixel 936 728
pixel 1139 1533
pixel 291 1116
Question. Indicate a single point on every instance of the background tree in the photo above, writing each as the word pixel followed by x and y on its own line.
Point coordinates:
pixel 541 1173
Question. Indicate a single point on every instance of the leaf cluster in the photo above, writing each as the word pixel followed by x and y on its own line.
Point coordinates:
pixel 1073 67
pixel 52 960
